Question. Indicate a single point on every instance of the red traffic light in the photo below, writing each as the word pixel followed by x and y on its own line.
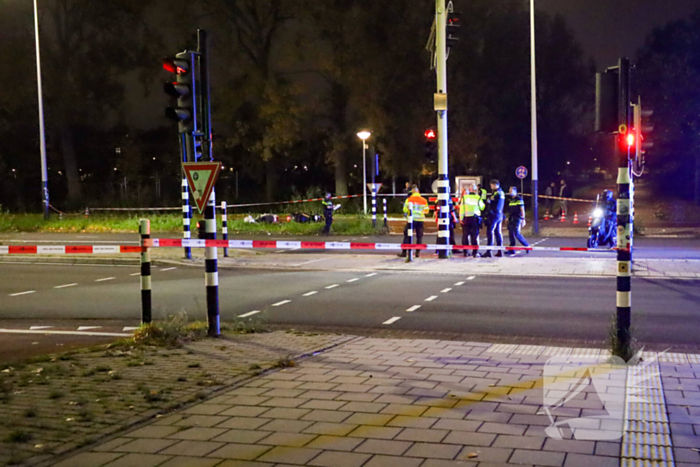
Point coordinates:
pixel 430 134
pixel 173 65
pixel 630 139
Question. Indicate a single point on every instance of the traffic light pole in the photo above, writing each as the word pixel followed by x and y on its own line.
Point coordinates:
pixel 443 181
pixel 624 219
pixel 533 119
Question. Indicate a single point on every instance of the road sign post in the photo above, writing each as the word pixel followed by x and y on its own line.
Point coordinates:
pixel 146 310
pixel 521 173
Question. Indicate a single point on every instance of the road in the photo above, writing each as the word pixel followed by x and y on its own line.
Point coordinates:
pixel 580 309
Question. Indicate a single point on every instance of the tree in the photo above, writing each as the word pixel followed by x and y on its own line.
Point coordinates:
pixel 668 73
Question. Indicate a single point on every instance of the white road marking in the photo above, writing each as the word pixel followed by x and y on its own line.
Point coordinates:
pixel 431 298
pixel 167 269
pixel 283 302
pixel 445 290
pixel 66 285
pixel 309 262
pixel 333 286
pixel 86 328
pixel 471 278
pixel 353 280
pixel 36 328
pixel 245 315
pixel 392 320
pixel 459 283
pixel 308 294
pixel 135 274
pixel 130 328
pixel 64 333
pixel 105 279
pixel 371 275
pixel 413 308
pixel 22 293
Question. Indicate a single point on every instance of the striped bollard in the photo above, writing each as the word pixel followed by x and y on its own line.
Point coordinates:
pixel 186 216
pixel 224 225
pixel 374 206
pixel 410 232
pixel 211 272
pixel 386 222
pixel 145 231
pixel 443 214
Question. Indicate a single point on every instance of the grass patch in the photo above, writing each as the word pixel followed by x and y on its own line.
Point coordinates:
pixel 194 365
pixel 18 436
pixel 56 394
pixel 30 413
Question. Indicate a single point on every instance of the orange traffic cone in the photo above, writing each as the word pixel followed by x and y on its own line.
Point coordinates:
pixel 546 215
pixel 590 220
pixel 563 216
pixel 575 217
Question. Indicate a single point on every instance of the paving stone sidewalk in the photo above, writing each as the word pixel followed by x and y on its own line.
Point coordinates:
pixel 425 403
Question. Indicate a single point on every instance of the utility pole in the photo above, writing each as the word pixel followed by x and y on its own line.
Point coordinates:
pixel 42 131
pixel 533 119
pixel 443 182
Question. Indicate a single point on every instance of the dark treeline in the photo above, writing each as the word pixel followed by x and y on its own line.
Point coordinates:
pixel 294 80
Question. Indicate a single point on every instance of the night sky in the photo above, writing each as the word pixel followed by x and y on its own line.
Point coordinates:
pixel 610 29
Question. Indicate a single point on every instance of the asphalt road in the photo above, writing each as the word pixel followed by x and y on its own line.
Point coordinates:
pixel 665 311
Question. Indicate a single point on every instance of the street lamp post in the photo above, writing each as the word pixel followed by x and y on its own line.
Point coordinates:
pixel 363 135
pixel 42 133
pixel 533 118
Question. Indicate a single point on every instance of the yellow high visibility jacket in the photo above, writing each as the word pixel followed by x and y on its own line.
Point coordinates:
pixel 470 205
pixel 420 207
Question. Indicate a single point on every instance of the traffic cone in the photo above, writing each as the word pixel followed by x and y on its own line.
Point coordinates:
pixel 546 215
pixel 563 216
pixel 590 220
pixel 575 217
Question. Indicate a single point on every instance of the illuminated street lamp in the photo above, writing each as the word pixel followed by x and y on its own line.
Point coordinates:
pixel 42 133
pixel 363 135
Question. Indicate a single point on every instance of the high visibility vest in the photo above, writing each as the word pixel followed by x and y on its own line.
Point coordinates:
pixel 470 205
pixel 420 207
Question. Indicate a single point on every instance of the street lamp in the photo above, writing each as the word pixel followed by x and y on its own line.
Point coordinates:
pixel 363 135
pixel 533 122
pixel 42 133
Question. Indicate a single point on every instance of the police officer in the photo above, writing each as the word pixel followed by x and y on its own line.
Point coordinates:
pixel 611 216
pixel 516 219
pixel 495 217
pixel 419 206
pixel 470 208
pixel 328 209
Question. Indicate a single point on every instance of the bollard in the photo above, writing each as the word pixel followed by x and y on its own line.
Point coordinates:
pixel 410 232
pixel 224 226
pixel 211 274
pixel 386 222
pixel 186 216
pixel 374 206
pixel 145 231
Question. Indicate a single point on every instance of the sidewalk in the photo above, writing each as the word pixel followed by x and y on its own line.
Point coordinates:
pixel 425 403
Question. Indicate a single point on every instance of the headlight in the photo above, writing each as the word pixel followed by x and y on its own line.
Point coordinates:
pixel 598 213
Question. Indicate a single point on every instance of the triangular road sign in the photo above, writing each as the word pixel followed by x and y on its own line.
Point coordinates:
pixel 201 177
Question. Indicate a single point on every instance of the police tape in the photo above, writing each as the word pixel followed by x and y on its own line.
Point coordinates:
pixel 269 244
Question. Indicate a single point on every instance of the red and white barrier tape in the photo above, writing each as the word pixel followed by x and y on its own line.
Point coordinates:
pixel 67 249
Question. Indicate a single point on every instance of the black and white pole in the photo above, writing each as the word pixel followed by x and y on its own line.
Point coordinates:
pixel 410 232
pixel 624 234
pixel 386 223
pixel 224 226
pixel 211 271
pixel 146 310
pixel 186 216
pixel 374 206
pixel 443 182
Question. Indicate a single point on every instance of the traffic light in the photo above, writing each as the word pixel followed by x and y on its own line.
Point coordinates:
pixel 643 128
pixel 431 144
pixel 184 90
pixel 606 101
pixel 454 24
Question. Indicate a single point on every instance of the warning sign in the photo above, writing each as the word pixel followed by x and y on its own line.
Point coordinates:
pixel 201 177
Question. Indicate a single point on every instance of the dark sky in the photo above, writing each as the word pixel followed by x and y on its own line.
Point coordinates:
pixel 610 29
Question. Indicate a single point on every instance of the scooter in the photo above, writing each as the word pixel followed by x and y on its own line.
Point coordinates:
pixel 601 230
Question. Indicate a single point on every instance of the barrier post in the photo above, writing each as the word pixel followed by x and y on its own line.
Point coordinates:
pixel 386 223
pixel 374 206
pixel 186 216
pixel 410 232
pixel 211 272
pixel 145 231
pixel 224 225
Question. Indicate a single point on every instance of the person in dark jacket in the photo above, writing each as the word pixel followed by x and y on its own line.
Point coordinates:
pixel 328 209
pixel 516 219
pixel 495 217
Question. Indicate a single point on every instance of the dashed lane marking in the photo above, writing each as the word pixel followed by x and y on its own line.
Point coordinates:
pixel 445 290
pixel 283 302
pixel 66 285
pixel 135 274
pixel 471 278
pixel 22 293
pixel 87 328
pixel 36 328
pixel 353 280
pixel 371 275
pixel 413 308
pixel 167 269
pixel 392 320
pixel 130 328
pixel 431 298
pixel 64 333
pixel 332 286
pixel 459 283
pixel 245 315
pixel 308 294
pixel 105 279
